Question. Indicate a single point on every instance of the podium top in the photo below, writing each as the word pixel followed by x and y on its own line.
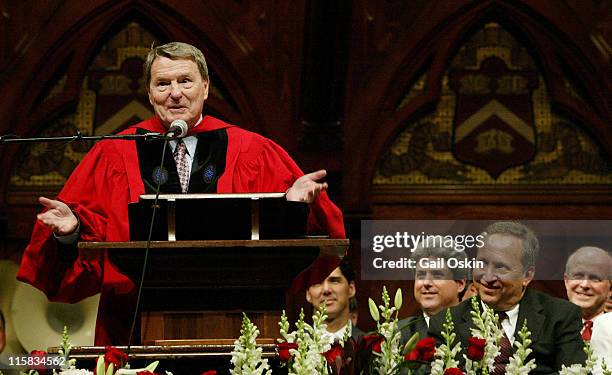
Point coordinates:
pixel 214 196
pixel 326 246
pixel 218 217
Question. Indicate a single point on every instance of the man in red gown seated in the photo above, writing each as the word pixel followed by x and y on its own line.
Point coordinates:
pixel 92 206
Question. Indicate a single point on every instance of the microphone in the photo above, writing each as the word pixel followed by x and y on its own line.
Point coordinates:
pixel 177 129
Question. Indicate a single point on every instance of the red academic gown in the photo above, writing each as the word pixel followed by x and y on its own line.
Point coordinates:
pixel 99 190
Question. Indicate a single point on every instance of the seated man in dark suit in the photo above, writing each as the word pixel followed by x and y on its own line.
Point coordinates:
pixel 335 292
pixel 508 265
pixel 436 287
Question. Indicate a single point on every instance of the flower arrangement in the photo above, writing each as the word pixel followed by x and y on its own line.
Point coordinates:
pixel 303 349
pixel 445 362
pixel 517 365
pixel 113 362
pixel 482 346
pixel 386 344
pixel 246 356
pixel 486 327
pixel 588 367
pixel 310 350
pixel 383 347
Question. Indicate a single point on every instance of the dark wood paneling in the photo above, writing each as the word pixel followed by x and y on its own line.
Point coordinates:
pixel 261 51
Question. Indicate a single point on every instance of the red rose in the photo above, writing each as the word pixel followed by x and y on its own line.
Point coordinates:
pixel 376 347
pixel 426 348
pixel 423 351
pixel 333 353
pixel 115 356
pixel 475 349
pixel 373 342
pixel 39 354
pixel 283 350
pixel 210 372
pixel 453 371
pixel 412 356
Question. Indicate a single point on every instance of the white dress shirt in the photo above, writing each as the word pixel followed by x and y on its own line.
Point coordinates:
pixel 601 341
pixel 339 334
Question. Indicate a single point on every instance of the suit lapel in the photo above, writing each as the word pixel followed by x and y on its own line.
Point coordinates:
pixel 421 328
pixel 465 323
pixel 530 309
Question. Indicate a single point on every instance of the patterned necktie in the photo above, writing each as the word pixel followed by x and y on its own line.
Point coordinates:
pixel 505 348
pixel 588 330
pixel 180 157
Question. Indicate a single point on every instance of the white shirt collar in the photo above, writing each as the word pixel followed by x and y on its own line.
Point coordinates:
pixel 339 334
pixel 595 317
pixel 426 316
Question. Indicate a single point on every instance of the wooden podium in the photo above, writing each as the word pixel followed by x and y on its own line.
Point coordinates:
pixel 199 289
pixel 212 258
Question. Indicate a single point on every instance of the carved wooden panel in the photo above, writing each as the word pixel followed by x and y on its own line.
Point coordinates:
pixel 499 109
pixel 431 111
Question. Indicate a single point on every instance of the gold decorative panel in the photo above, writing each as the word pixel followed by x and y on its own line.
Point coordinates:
pixel 50 164
pixel 494 77
pixel 57 88
pixel 112 83
pixel 417 89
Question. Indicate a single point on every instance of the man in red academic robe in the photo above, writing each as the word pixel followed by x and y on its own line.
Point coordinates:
pixel 92 206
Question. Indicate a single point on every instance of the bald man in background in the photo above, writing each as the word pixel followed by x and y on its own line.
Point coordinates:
pixel 588 274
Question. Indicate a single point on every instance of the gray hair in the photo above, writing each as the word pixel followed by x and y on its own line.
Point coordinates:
pixel 175 51
pixel 590 250
pixel 446 253
pixel 529 241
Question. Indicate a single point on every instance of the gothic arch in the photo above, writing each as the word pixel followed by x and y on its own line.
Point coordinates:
pixel 371 128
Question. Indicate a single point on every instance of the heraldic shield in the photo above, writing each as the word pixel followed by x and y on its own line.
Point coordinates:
pixel 494 123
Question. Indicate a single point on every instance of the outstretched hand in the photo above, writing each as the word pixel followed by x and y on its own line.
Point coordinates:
pixel 306 188
pixel 58 217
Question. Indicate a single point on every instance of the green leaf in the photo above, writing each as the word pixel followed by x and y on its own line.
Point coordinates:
pixel 373 310
pixel 151 367
pixel 398 298
pixel 411 343
pixel 100 366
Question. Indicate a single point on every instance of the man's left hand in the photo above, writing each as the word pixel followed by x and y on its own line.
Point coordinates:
pixel 306 188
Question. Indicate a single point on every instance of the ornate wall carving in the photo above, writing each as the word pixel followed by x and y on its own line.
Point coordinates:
pixel 477 101
pixel 503 107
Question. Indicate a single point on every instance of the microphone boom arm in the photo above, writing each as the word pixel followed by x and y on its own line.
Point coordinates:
pixel 8 139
